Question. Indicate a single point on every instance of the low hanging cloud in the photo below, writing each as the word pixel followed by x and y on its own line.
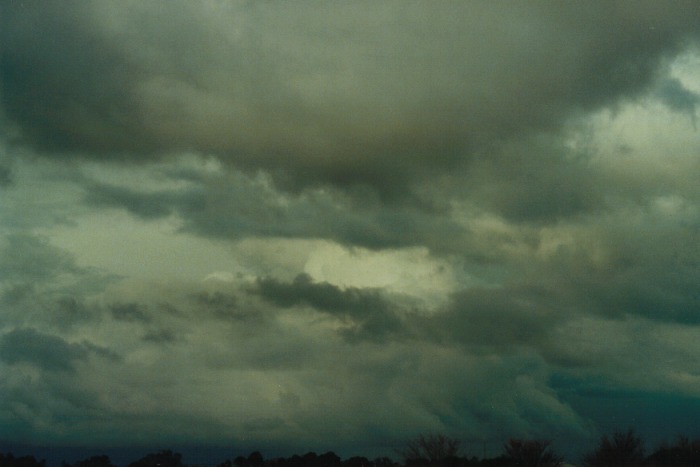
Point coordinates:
pixel 365 313
pixel 47 352
pixel 236 206
pixel 338 94
pixel 677 97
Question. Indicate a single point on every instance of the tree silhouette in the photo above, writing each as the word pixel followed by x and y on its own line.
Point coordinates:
pixel 328 459
pixel 383 462
pixel 682 453
pixel 159 459
pixel 94 461
pixel 25 461
pixel 255 459
pixel 309 458
pixel 358 461
pixel 531 453
pixel 429 449
pixel 623 449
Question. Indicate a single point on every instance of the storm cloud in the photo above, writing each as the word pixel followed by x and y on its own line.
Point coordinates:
pixel 368 94
pixel 332 226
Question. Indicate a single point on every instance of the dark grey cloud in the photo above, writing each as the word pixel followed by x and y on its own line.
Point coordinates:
pixel 498 318
pixel 537 181
pixel 323 296
pixel 45 351
pixel 72 310
pixel 678 98
pixel 286 354
pixel 614 277
pixel 153 322
pixel 228 306
pixel 42 283
pixel 160 336
pixel 371 94
pixel 129 312
pixel 45 86
pixel 25 257
pixel 144 205
pixel 5 176
pixel 369 313
pixel 642 277
pixel 238 206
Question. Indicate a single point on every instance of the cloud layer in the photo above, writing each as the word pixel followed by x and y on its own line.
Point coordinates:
pixel 334 226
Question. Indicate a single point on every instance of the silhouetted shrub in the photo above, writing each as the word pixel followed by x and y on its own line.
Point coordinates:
pixel 531 453
pixel 94 461
pixel 159 459
pixel 255 459
pixel 620 450
pixel 9 460
pixel 500 461
pixel 357 461
pixel 384 462
pixel 682 453
pixel 328 459
pixel 429 450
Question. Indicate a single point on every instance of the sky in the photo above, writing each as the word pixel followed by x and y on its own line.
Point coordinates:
pixel 316 225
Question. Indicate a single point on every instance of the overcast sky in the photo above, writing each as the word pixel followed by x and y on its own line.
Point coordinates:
pixel 309 225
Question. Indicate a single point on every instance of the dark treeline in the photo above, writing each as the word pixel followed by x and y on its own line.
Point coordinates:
pixel 620 449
